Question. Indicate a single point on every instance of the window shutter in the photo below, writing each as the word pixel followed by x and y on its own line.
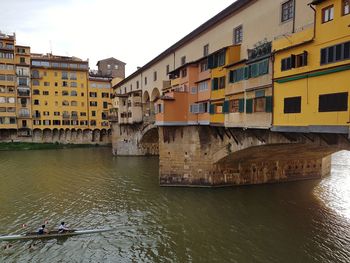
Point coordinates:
pixel 246 73
pixel 226 107
pixel 215 84
pixel 212 109
pixel 241 105
pixel 305 54
pixel 293 60
pixel 268 105
pixel 231 76
pixel 255 70
pixel 249 106
pixel 264 67
pixel 210 62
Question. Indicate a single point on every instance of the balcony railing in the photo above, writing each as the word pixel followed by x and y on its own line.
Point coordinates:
pixel 23 93
pixel 23 115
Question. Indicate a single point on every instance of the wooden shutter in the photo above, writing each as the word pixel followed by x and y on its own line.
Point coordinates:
pixel 231 76
pixel 268 104
pixel 249 106
pixel 211 62
pixel 214 83
pixel 246 73
pixel 241 105
pixel 226 105
pixel 212 109
pixel 293 61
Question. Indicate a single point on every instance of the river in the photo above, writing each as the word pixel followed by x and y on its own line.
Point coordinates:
pixel 307 221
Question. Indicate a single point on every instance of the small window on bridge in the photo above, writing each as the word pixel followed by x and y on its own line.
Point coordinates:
pixel 333 102
pixel 292 105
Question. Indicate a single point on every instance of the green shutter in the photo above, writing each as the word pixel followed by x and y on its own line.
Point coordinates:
pixel 264 67
pixel 214 83
pixel 231 76
pixel 246 73
pixel 210 61
pixel 212 109
pixel 255 70
pixel 241 105
pixel 249 106
pixel 240 74
pixel 225 108
pixel 268 104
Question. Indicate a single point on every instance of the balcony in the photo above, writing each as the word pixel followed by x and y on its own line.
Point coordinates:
pixel 24 115
pixel 113 118
pixel 23 93
pixel 65 116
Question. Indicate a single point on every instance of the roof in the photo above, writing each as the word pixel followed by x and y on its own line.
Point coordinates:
pixel 195 33
pixel 111 58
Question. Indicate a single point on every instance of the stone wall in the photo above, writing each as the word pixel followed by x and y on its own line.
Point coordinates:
pixel 59 136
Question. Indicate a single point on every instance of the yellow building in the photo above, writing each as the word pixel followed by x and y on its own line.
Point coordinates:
pixel 217 62
pixel 8 119
pixel 311 73
pixel 24 113
pixel 100 101
pixel 59 88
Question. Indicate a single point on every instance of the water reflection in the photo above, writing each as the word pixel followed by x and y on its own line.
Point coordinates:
pixel 295 222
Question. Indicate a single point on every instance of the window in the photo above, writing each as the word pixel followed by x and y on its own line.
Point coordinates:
pixel 46 93
pixel 346 7
pixel 335 53
pixel 333 102
pixel 93 103
pixel 73 93
pixel 137 85
pixel 36 102
pixel 286 64
pixel 206 50
pixel 36 92
pixel 64 84
pixel 65 93
pixel 294 61
pixel 183 60
pixel 73 84
pixel 46 113
pixel 93 113
pixel 64 75
pixel 287 10
pixel 301 59
pixel 46 84
pixel 160 108
pixel 105 105
pixel 260 104
pixel 93 94
pixel 74 103
pixel 204 65
pixel 184 72
pixel 155 75
pixel 238 35
pixel 56 122
pixel 292 105
pixel 202 86
pixel 73 75
pixel 105 95
pixel 193 90
pixel 108 66
pixel 116 66
pixel 22 60
pixel 56 113
pixel 327 14
pixel 145 80
pixel 36 82
pixel 217 59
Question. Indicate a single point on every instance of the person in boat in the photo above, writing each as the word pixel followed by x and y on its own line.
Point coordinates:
pixel 62 228
pixel 42 230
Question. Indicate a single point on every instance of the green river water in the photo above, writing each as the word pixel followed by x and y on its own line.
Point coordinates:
pixel 307 221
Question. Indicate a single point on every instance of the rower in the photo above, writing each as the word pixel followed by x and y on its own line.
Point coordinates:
pixel 42 230
pixel 62 228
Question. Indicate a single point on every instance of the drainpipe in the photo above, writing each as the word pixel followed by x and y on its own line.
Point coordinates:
pixel 293 29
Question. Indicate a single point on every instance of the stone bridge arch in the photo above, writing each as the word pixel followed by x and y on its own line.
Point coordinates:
pixel 220 156
pixel 149 140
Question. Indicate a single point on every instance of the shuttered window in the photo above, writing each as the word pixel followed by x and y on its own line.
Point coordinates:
pixel 226 107
pixel 251 71
pixel 335 53
pixel 268 104
pixel 333 102
pixel 249 106
pixel 241 105
pixel 212 109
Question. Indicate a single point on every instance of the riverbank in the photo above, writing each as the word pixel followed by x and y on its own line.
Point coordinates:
pixel 22 146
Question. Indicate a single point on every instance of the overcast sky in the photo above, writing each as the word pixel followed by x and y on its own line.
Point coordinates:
pixel 133 31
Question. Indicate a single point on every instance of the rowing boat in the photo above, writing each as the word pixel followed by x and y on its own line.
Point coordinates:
pixel 52 234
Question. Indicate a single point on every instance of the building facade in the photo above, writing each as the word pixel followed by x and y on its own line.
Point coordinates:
pixel 312 68
pixel 49 98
